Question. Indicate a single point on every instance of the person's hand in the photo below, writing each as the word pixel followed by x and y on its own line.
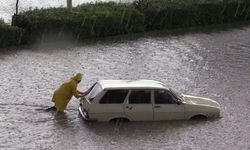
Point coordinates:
pixel 85 93
pixel 82 94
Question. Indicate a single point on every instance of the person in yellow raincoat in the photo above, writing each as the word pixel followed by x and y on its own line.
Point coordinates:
pixel 64 93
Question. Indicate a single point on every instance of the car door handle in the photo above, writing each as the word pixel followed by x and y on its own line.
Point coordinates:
pixel 129 107
pixel 157 106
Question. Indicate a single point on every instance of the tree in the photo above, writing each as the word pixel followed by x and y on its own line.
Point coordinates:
pixel 17 7
pixel 69 5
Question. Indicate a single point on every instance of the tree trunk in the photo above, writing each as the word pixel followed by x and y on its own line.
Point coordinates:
pixel 69 5
pixel 17 7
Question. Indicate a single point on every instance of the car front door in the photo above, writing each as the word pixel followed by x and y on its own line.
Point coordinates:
pixel 165 106
pixel 139 105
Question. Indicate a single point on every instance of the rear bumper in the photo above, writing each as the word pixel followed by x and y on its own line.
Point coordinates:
pixel 83 113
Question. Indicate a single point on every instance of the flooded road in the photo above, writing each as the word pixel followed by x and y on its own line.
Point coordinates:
pixel 213 64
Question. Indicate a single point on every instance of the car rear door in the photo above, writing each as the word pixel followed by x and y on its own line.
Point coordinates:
pixel 138 106
pixel 165 106
pixel 110 105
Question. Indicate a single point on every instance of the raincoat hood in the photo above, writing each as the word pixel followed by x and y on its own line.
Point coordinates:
pixel 77 77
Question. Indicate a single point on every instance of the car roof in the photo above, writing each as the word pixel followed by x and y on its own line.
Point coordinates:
pixel 132 84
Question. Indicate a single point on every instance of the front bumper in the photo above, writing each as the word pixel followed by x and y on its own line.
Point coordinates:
pixel 83 113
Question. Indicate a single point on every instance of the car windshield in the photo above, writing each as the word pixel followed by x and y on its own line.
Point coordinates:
pixel 94 90
pixel 177 95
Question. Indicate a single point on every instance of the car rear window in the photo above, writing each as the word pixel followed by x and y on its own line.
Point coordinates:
pixel 114 97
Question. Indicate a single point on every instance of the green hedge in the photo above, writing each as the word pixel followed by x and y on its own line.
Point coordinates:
pixel 108 19
pixel 167 14
pixel 85 21
pixel 10 36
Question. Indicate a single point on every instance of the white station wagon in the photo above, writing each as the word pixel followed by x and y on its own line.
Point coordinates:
pixel 143 100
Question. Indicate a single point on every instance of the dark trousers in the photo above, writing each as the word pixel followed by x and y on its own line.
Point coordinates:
pixel 51 109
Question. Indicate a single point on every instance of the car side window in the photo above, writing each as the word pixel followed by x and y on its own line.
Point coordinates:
pixel 164 97
pixel 114 97
pixel 140 97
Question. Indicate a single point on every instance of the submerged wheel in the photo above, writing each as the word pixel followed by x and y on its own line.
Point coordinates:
pixel 119 120
pixel 199 117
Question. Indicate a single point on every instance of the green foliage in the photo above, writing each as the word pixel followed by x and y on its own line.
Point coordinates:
pixel 85 21
pixel 93 20
pixel 9 36
pixel 167 14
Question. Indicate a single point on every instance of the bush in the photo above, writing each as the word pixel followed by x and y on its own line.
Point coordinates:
pixel 10 36
pixel 108 19
pixel 166 14
pixel 85 21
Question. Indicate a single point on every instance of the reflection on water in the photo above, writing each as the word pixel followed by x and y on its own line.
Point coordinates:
pixel 214 65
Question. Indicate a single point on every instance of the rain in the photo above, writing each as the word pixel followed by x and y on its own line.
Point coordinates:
pixel 203 61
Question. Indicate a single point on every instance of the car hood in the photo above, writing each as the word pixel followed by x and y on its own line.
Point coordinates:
pixel 201 101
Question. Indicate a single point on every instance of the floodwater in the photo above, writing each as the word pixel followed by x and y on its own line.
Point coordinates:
pixel 212 64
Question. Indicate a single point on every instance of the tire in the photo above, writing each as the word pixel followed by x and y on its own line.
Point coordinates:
pixel 119 120
pixel 199 117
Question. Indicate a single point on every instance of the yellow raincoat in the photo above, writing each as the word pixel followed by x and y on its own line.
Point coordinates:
pixel 65 92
